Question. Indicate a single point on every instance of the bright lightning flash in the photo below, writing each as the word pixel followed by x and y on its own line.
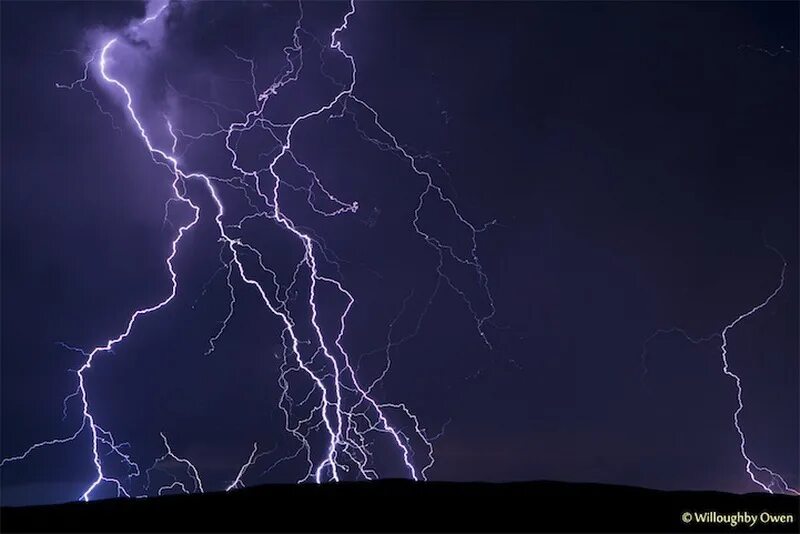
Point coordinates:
pixel 341 409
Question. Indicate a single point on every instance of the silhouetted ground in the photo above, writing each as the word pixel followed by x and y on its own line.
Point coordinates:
pixel 394 505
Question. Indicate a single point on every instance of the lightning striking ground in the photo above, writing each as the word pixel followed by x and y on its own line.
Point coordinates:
pixel 765 478
pixel 337 407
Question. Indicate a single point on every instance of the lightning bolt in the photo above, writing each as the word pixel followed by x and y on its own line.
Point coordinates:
pixel 781 49
pixel 191 470
pixel 336 406
pixel 251 461
pixel 775 481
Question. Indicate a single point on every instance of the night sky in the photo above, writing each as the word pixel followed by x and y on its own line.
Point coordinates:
pixel 635 156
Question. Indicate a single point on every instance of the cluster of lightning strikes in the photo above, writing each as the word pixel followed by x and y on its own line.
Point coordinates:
pixel 339 407
pixel 765 478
